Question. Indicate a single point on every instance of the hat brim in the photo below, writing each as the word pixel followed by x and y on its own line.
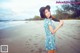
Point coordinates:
pixel 42 9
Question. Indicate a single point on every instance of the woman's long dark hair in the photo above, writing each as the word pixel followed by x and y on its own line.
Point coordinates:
pixel 42 13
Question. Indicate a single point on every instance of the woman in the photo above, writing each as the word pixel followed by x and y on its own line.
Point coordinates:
pixel 49 27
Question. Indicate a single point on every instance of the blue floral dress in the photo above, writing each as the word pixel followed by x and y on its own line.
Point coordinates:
pixel 50 38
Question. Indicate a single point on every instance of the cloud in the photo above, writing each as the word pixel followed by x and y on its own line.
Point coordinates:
pixel 26 8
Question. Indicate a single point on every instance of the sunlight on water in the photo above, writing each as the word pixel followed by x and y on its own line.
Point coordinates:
pixel 10 24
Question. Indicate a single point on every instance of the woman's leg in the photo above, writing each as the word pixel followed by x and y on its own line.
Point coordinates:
pixel 51 51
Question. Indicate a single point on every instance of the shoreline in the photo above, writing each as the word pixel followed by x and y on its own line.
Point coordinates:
pixel 30 37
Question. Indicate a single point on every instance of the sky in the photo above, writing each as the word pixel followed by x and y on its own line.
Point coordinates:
pixel 24 9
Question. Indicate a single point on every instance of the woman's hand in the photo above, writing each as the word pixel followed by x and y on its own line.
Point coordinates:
pixel 61 23
pixel 54 30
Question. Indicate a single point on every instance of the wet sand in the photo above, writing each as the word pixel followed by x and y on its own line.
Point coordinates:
pixel 30 37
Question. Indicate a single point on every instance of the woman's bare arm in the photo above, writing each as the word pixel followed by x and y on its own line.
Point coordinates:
pixel 54 30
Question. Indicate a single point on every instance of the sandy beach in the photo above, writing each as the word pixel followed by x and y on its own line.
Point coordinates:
pixel 30 37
